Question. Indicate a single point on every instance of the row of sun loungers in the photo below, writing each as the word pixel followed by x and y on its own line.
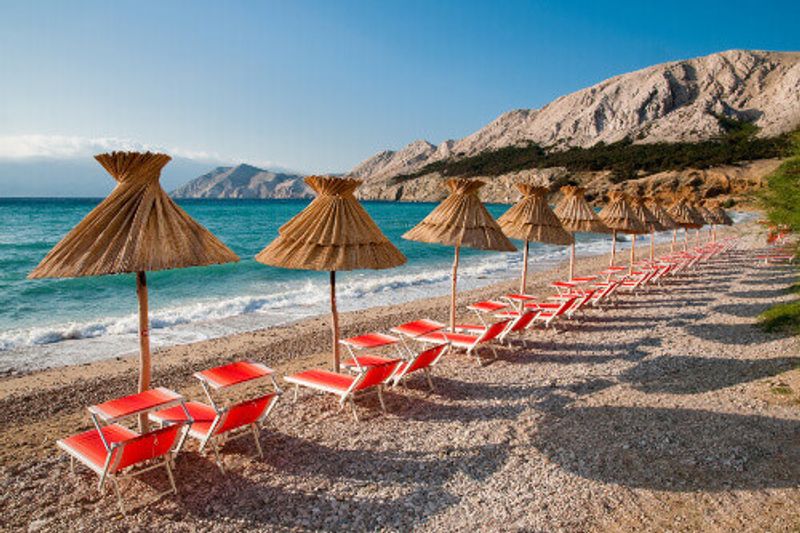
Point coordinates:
pixel 115 452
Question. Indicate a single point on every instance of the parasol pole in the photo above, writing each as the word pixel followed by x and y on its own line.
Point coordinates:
pixel 613 246
pixel 674 238
pixel 685 239
pixel 652 244
pixel 453 291
pixel 334 323
pixel 524 269
pixel 572 258
pixel 144 342
pixel 633 253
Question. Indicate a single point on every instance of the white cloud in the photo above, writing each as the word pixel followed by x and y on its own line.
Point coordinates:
pixel 20 147
pixel 66 147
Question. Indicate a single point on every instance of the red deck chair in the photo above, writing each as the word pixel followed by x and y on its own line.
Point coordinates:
pixel 420 361
pixel 214 425
pixel 549 312
pixel 115 453
pixel 423 361
pixel 346 386
pixel 469 342
pixel 520 321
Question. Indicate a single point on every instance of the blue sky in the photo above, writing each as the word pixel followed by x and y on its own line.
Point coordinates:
pixel 320 86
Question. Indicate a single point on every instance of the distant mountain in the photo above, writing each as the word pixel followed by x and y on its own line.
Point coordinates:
pixel 670 102
pixel 244 181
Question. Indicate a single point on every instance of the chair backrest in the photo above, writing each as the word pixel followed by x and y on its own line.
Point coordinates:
pixel 493 331
pixel 244 413
pixel 377 374
pixel 524 320
pixel 565 305
pixel 426 358
pixel 145 447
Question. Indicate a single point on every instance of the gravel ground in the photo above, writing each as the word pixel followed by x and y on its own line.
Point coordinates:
pixel 667 412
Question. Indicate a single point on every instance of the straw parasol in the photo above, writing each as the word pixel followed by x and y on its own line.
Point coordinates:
pixel 663 217
pixel 722 216
pixel 138 228
pixel 332 233
pixel 684 216
pixel 619 216
pixel 531 219
pixel 650 220
pixel 461 220
pixel 577 216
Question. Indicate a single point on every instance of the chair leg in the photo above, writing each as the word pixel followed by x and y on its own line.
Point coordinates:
pixel 428 377
pixel 217 455
pixel 170 476
pixel 353 409
pixel 120 502
pixel 256 434
pixel 380 398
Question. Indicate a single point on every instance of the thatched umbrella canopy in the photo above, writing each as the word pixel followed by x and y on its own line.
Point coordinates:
pixel 663 217
pixel 684 216
pixel 138 228
pixel 722 216
pixel 461 220
pixel 531 219
pixel 577 216
pixel 650 220
pixel 660 213
pixel 619 216
pixel 332 233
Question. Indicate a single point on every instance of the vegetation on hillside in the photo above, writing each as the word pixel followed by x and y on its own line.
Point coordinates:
pixel 738 142
pixel 781 201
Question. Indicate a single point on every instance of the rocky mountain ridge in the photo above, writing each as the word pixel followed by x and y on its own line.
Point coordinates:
pixel 670 102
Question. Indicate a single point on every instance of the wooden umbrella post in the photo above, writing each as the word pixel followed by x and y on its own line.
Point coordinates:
pixel 633 253
pixel 652 244
pixel 524 281
pixel 144 342
pixel 453 291
pixel 334 323
pixel 572 258
pixel 674 238
pixel 613 246
pixel 685 239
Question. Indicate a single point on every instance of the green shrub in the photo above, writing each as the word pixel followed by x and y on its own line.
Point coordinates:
pixel 737 143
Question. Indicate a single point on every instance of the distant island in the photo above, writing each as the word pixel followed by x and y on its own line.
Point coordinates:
pixel 244 181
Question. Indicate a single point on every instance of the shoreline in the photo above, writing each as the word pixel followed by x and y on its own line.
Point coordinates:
pixel 403 286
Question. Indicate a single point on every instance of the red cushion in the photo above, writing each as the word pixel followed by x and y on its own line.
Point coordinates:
pixel 456 339
pixel 418 327
pixel 368 360
pixel 324 379
pixel 370 340
pixel 233 373
pixel 88 447
pixel 202 414
pixel 134 403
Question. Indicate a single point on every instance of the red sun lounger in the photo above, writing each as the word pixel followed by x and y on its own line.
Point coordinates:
pixel 419 362
pixel 115 452
pixel 469 342
pixel 550 312
pixel 212 424
pixel 346 386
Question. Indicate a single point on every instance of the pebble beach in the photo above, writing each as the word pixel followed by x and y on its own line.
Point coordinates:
pixel 670 411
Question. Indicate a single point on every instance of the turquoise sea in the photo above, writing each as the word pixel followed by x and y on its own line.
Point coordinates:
pixel 62 321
